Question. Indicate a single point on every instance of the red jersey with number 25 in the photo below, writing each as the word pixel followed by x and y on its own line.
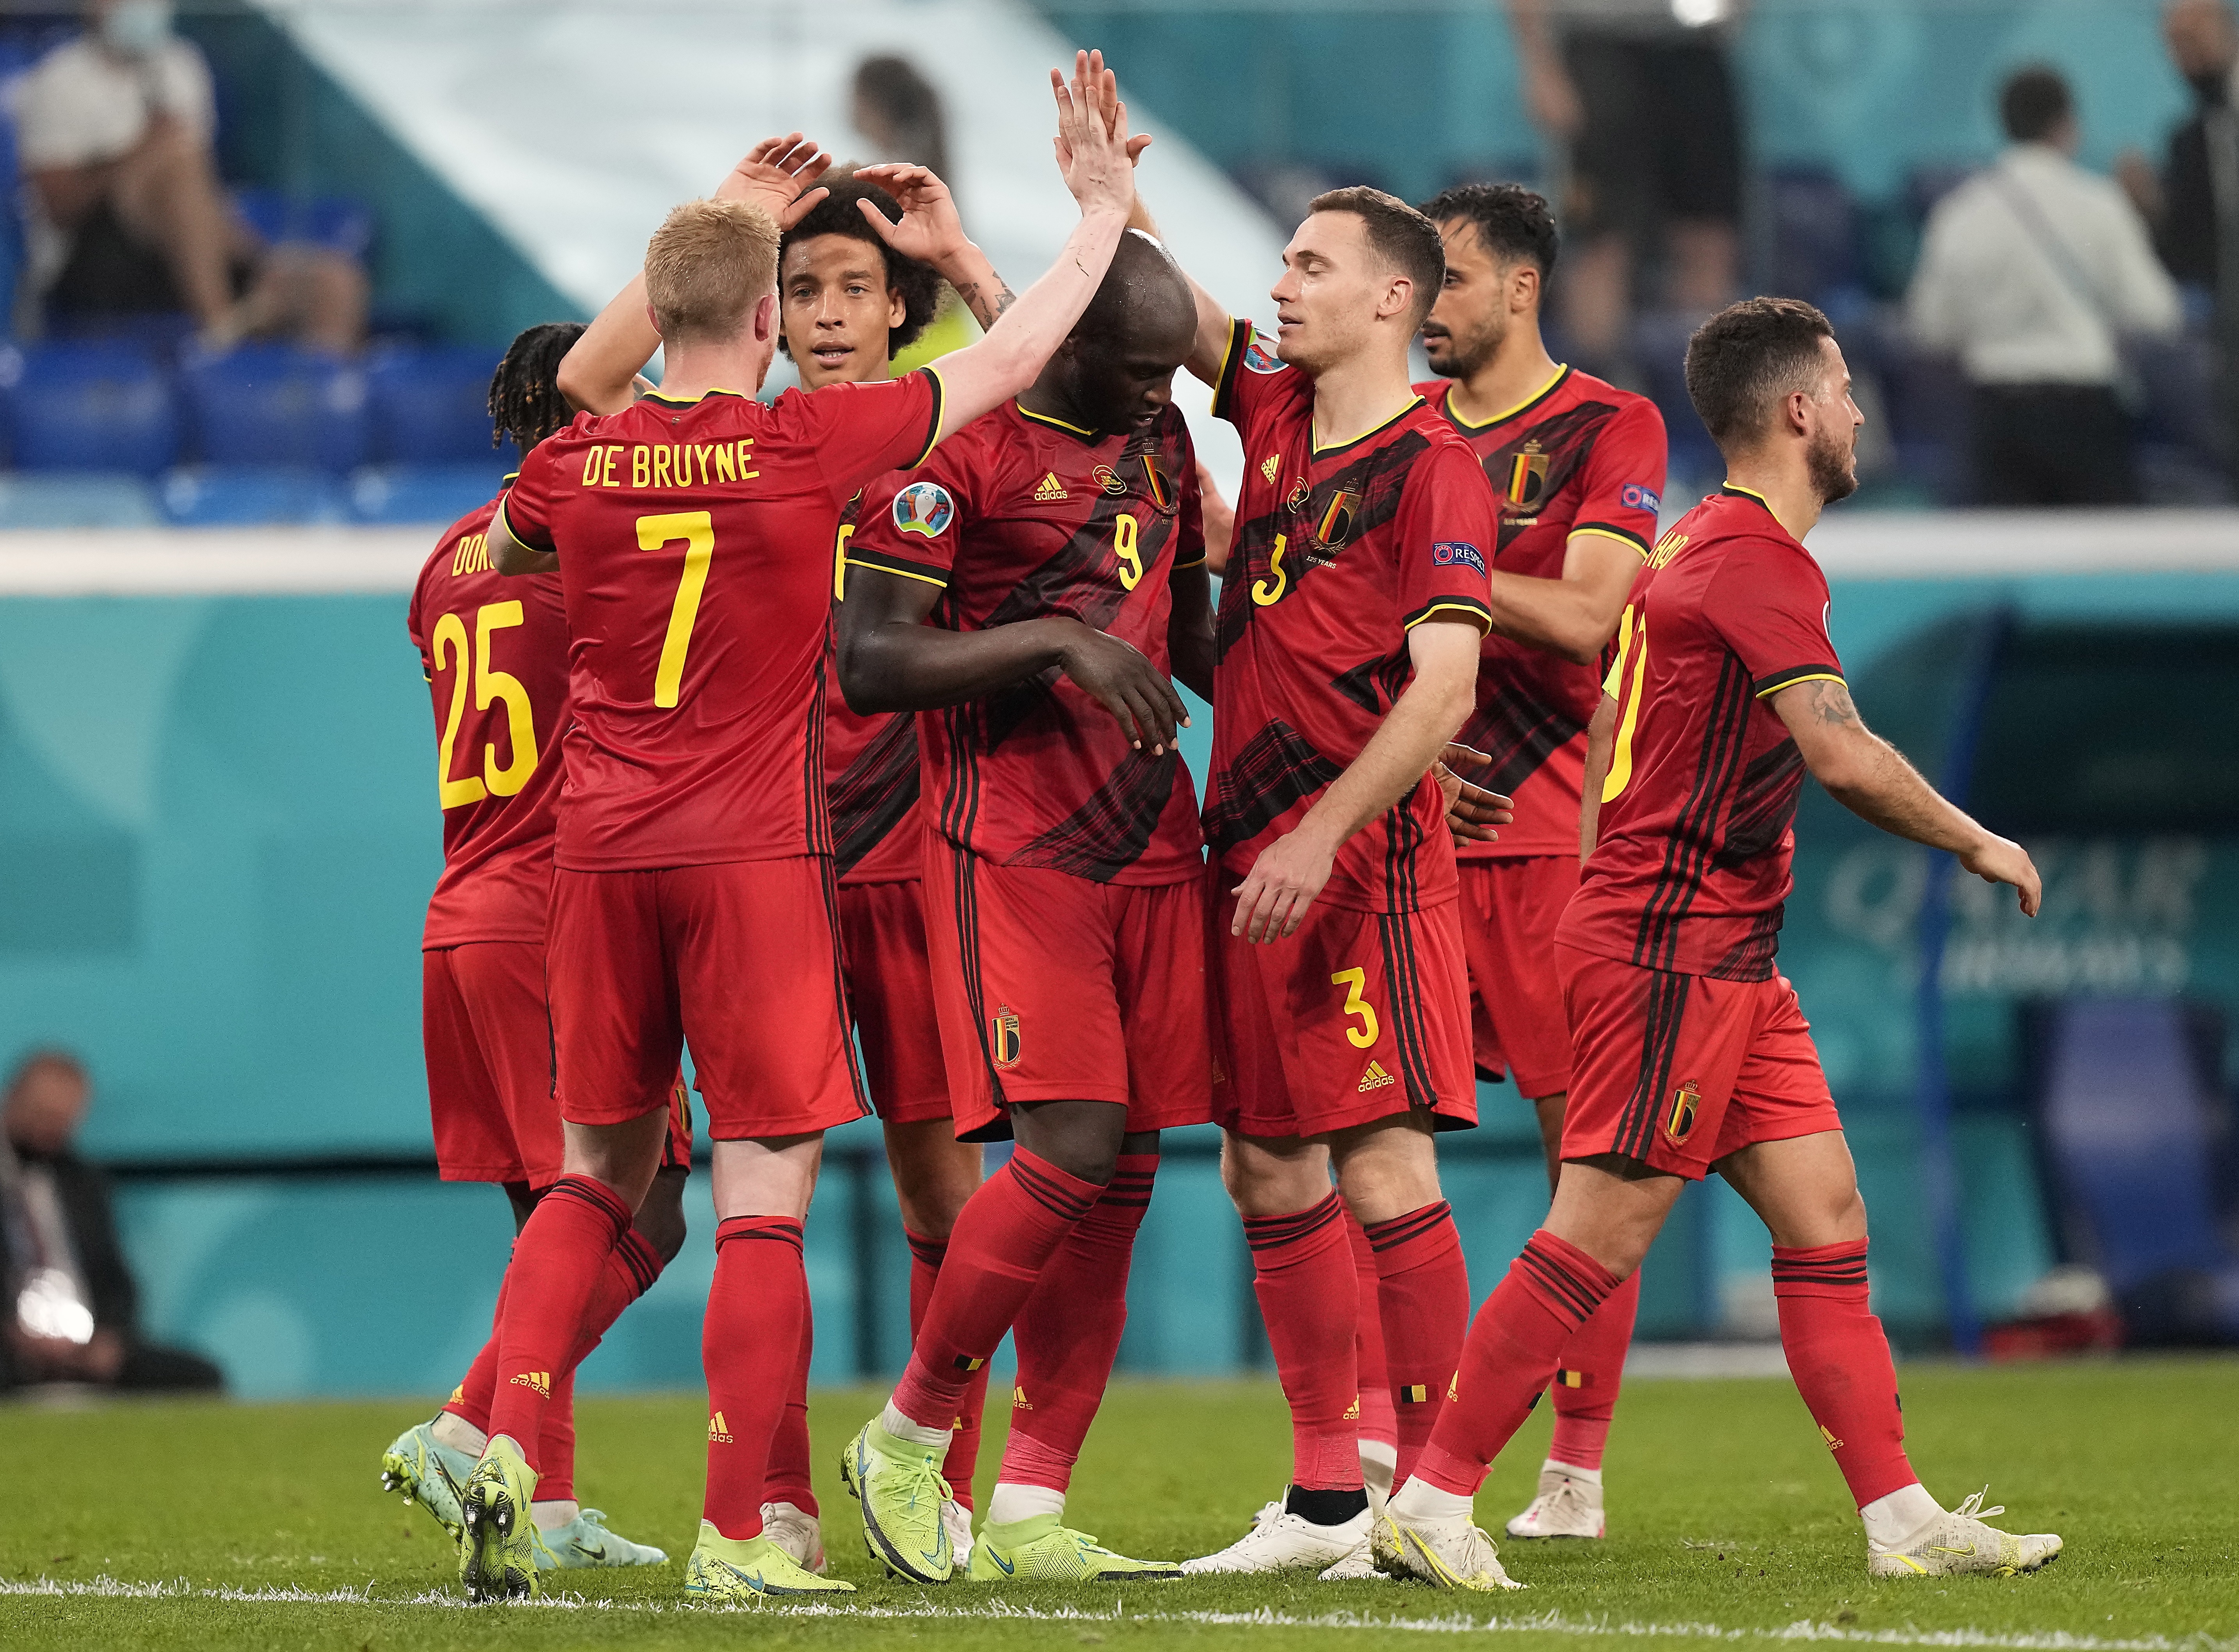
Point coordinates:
pixel 1696 834
pixel 1020 516
pixel 694 540
pixel 1339 552
pixel 1581 456
pixel 494 652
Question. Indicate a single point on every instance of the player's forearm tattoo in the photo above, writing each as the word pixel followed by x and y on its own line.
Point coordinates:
pixel 987 310
pixel 1830 703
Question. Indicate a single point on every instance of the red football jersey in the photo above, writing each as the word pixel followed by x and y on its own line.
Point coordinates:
pixel 695 547
pixel 1690 862
pixel 1016 517
pixel 495 652
pixel 1339 552
pixel 870 771
pixel 1581 456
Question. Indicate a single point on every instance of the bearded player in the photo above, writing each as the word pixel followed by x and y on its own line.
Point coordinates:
pixel 1691 1052
pixel 1577 467
pixel 1351 618
pixel 495 652
pixel 1055 547
pixel 693 898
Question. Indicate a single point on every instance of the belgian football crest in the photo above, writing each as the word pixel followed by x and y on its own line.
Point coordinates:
pixel 1679 1122
pixel 1162 492
pixel 1527 478
pixel 1003 1037
pixel 1337 519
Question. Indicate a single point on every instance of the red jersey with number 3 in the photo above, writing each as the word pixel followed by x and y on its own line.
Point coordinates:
pixel 494 652
pixel 1020 516
pixel 1581 456
pixel 871 773
pixel 1696 833
pixel 1339 552
pixel 694 540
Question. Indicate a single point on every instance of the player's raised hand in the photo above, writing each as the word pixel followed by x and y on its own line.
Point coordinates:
pixel 1276 894
pixel 778 174
pixel 1472 811
pixel 1122 679
pixel 2001 861
pixel 1092 136
pixel 930 230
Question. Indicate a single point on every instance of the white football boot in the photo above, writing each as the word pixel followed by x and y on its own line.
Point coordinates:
pixel 1450 1553
pixel 1282 1541
pixel 1566 1507
pixel 798 1533
pixel 1958 1541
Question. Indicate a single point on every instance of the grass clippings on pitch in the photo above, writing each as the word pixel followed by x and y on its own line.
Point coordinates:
pixel 189 1523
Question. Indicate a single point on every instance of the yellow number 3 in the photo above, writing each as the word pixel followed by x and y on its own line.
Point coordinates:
pixel 1353 980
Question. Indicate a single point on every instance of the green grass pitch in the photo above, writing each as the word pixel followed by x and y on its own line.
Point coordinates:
pixel 217 1526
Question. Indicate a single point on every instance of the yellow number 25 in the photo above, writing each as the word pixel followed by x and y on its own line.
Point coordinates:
pixel 489 684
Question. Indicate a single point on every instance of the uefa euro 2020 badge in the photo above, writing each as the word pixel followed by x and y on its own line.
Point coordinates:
pixel 923 508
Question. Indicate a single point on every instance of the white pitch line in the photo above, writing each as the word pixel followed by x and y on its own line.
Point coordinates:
pixel 1265 1617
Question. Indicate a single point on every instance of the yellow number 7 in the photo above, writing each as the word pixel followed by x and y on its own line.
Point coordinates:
pixel 697 530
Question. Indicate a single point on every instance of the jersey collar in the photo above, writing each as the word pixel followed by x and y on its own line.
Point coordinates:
pixel 1087 438
pixel 691 401
pixel 1319 451
pixel 1562 372
pixel 1734 490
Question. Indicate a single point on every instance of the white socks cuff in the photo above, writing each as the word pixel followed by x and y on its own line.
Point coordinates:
pixel 1011 1504
pixel 1419 1500
pixel 1894 1520
pixel 916 1433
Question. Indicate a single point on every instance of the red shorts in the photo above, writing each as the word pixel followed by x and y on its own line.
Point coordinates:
pixel 488 1043
pixel 1679 1071
pixel 1356 1018
pixel 738 959
pixel 1510 909
pixel 1052 987
pixel 890 989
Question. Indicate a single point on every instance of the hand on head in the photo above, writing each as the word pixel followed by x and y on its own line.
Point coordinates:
pixel 776 176
pixel 1093 151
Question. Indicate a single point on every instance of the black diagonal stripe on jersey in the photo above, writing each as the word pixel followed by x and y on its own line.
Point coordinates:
pixel 1519 732
pixel 1275 769
pixel 875 792
pixel 1375 684
pixel 1686 852
pixel 1565 441
pixel 966 915
pixel 1659 1047
pixel 1109 832
pixel 829 887
pixel 1763 806
pixel 1062 583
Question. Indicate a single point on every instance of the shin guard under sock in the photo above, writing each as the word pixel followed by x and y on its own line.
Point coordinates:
pixel 1840 1360
pixel 1068 1333
pixel 1309 1296
pixel 786 1479
pixel 1422 1289
pixel 1589 1375
pixel 1377 1420
pixel 757 1317
pixel 557 1264
pixel 1510 1356
pixel 1011 1227
pixel 962 1465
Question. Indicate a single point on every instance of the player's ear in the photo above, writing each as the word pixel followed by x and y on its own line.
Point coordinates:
pixel 653 319
pixel 897 311
pixel 765 318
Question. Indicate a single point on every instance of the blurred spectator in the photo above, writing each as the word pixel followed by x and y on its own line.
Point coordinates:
pixel 1642 94
pixel 2032 272
pixel 115 128
pixel 73 1308
pixel 897 109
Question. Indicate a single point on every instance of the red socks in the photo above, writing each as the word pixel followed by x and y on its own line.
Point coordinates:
pixel 1423 1295
pixel 786 1479
pixel 557 1264
pixel 1840 1360
pixel 757 1319
pixel 1590 1373
pixel 1067 1335
pixel 1309 1295
pixel 1376 1421
pixel 1510 1358
pixel 962 1463
pixel 1010 1228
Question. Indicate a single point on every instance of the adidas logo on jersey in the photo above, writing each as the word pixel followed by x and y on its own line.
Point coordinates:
pixel 1828 1434
pixel 719 1432
pixel 1375 1078
pixel 538 1382
pixel 1019 1400
pixel 1051 490
pixel 1272 464
pixel 1352 1411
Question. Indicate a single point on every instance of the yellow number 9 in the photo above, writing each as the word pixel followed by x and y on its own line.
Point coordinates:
pixel 1123 546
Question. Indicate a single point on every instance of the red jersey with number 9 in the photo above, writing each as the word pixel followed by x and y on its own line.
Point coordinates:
pixel 1696 834
pixel 494 652
pixel 694 540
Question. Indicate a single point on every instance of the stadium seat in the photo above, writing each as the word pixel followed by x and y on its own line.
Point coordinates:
pixel 88 406
pixel 1660 346
pixel 272 404
pixel 1815 249
pixel 431 493
pixel 2130 1102
pixel 79 499
pixel 250 496
pixel 335 222
pixel 430 405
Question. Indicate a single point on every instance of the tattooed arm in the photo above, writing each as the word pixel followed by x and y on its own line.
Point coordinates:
pixel 1870 778
pixel 931 232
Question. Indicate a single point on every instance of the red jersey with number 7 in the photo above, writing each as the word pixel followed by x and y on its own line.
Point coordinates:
pixel 694 540
pixel 1696 834
pixel 1020 517
pixel 494 652
pixel 1339 552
